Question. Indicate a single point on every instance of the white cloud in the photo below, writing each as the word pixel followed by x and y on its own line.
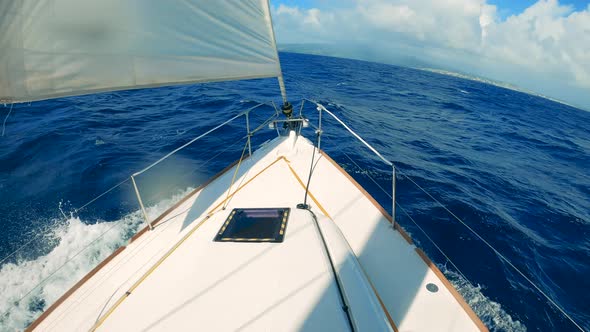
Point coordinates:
pixel 546 40
pixel 312 17
pixel 293 11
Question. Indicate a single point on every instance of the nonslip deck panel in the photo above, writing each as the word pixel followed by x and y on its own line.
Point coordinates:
pixel 469 311
pixel 289 281
pixel 177 274
pixel 74 288
pixel 386 214
pixel 189 195
pixel 453 291
pixel 120 249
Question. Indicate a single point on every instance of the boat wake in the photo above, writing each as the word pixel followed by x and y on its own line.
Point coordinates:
pixel 491 313
pixel 29 287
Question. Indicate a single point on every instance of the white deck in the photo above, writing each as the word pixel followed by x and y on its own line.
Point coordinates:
pixel 176 278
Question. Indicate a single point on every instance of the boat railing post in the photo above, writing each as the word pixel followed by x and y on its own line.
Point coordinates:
pixel 249 134
pixel 145 216
pixel 393 195
pixel 319 127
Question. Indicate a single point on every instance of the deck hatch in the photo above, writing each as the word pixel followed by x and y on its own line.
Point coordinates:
pixel 254 225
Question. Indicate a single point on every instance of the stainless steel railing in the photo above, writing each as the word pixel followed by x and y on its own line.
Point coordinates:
pixel 499 254
pixel 320 108
pixel 245 113
pixel 77 255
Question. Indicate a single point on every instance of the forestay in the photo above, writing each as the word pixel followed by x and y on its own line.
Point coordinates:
pixel 53 48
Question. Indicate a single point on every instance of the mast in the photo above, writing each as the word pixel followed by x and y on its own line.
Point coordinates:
pixel 287 108
pixel 282 87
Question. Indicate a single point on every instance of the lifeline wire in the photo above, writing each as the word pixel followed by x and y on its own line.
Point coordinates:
pixel 106 192
pixel 549 299
pixel 311 169
pixel 234 177
pixel 99 196
pixel 6 118
pixel 21 247
pixel 263 125
pixel 499 254
pixel 59 268
pixel 458 219
pixel 75 211
pixel 434 243
pixel 159 194
pixel 196 138
pixel 412 219
pixel 127 179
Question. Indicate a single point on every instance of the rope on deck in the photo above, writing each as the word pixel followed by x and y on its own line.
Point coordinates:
pixel 500 255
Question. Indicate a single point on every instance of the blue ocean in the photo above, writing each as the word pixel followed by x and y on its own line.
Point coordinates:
pixel 512 166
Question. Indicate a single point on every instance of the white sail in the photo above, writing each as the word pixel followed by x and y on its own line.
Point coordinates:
pixel 53 48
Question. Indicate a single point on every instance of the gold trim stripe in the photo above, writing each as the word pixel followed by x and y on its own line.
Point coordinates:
pixel 309 192
pixel 102 319
pixel 146 274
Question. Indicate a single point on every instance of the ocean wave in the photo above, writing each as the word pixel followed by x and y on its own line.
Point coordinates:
pixel 514 165
pixel 491 313
pixel 29 287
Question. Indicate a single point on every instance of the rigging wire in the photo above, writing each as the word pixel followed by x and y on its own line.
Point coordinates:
pixel 70 259
pixel 99 196
pixel 38 235
pixel 311 169
pixel 305 206
pixel 547 297
pixel 412 219
pixel 83 249
pixel 21 247
pixel 434 243
pixel 6 118
pixel 161 192
pixel 196 138
pixel 234 177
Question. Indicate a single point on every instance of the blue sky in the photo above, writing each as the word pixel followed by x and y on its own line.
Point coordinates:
pixel 507 7
pixel 542 46
pixel 511 7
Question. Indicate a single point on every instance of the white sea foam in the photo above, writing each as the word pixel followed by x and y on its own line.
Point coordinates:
pixel 491 313
pixel 80 247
